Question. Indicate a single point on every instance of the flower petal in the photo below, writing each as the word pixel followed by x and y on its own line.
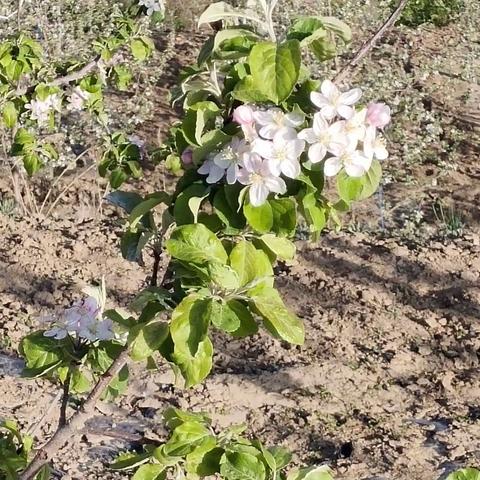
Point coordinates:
pixel 290 168
pixel 328 111
pixel 320 125
pixel 308 134
pixel 351 97
pixel 258 194
pixel 345 111
pixel 317 152
pixel 329 89
pixel 294 119
pixel 319 100
pixel 275 184
pixel 269 131
pixel 332 166
pixel 264 148
pixel 262 117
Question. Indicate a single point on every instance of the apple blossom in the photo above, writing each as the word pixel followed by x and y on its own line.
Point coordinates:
pixel 274 120
pixel 77 99
pixel 374 146
pixel 323 138
pixel 378 115
pixel 243 115
pixel 332 101
pixel 152 6
pixel 40 109
pixel 231 157
pixel 212 170
pixel 257 175
pixel 356 164
pixel 355 126
pixel 282 153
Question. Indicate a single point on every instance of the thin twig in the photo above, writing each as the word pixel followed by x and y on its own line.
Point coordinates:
pixel 369 44
pixel 65 432
pixel 47 196
pixel 65 397
pixel 59 197
pixel 77 74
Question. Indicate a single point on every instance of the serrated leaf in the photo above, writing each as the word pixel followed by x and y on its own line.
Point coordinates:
pixel 251 265
pixel 196 244
pixel 275 68
pixel 278 320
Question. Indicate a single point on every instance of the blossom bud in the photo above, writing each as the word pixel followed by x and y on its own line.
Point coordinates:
pixel 187 157
pixel 378 115
pixel 243 115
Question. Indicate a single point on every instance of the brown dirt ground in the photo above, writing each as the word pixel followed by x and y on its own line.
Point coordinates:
pixel 386 386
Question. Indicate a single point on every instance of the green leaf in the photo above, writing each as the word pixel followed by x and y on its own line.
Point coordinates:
pixel 223 317
pixel 226 211
pixel 188 202
pixel 223 276
pixel 242 466
pixel 349 188
pixel 222 11
pixel 150 471
pixel 126 200
pixel 281 456
pixel 80 383
pixel 144 340
pixel 275 68
pixel 42 354
pixel 259 218
pixel 117 177
pixel 371 180
pixel 128 461
pixel 247 91
pixel 174 417
pixel 146 206
pixel 193 349
pixel 281 247
pixel 32 163
pixel 185 437
pixel 196 244
pixel 311 473
pixel 278 320
pixel 44 473
pixel 211 141
pixel 117 386
pixel 465 474
pixel 141 48
pixel 10 114
pixel 339 28
pixel 248 325
pixel 197 118
pixel 190 322
pixel 199 460
pixel 252 265
pixel 284 211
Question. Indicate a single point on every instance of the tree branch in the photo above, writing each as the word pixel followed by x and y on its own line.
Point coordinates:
pixel 77 74
pixel 65 397
pixel 76 421
pixel 369 44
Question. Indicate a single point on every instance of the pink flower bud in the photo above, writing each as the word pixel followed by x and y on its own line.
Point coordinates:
pixel 378 115
pixel 243 115
pixel 187 157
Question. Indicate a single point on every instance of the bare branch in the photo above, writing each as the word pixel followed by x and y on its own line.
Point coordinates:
pixel 77 74
pixel 369 44
pixel 76 421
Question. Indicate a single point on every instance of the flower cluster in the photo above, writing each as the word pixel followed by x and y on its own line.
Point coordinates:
pixel 152 6
pixel 40 109
pixel 272 142
pixel 77 99
pixel 84 320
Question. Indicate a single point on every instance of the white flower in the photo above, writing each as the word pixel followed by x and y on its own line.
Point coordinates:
pixel 356 164
pixel 77 99
pixel 355 126
pixel 282 153
pixel 243 115
pixel 378 115
pixel 324 138
pixel 40 109
pixel 210 168
pixel 373 146
pixel 274 120
pixel 152 6
pixel 257 174
pixel 98 330
pixel 230 158
pixel 332 101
